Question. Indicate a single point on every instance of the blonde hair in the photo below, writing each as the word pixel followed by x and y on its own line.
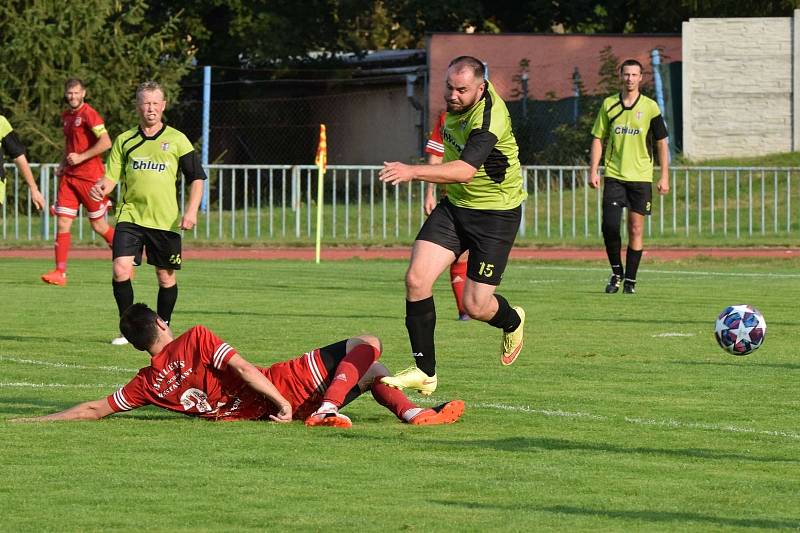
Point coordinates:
pixel 148 86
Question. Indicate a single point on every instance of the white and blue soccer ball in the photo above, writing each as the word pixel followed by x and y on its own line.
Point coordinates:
pixel 740 329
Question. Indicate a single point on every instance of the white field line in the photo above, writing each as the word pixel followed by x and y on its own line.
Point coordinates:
pixel 669 423
pixel 518 266
pixel 65 365
pixel 673 334
pixel 27 385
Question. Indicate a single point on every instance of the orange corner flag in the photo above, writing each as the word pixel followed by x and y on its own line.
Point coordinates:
pixel 322 149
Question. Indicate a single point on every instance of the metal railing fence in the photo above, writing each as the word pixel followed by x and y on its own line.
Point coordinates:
pixel 276 204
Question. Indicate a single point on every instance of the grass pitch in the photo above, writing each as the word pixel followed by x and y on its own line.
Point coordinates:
pixel 621 414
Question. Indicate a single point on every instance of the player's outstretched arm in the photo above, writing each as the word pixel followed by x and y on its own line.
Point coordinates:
pixel 259 383
pixel 663 158
pixel 94 410
pixel 189 219
pixel 595 154
pixel 450 172
pixel 25 169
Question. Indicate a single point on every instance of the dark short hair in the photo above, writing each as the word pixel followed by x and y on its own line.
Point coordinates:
pixel 462 62
pixel 631 63
pixel 138 325
pixel 72 82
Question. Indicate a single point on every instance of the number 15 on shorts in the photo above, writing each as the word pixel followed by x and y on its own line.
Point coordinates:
pixel 486 270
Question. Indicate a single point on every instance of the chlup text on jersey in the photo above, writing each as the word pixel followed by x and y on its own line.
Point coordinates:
pixel 449 138
pixel 625 130
pixel 139 164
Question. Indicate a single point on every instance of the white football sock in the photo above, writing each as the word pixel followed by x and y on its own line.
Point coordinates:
pixel 409 414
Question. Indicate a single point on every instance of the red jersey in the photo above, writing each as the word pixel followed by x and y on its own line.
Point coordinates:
pixel 82 128
pixel 435 144
pixel 191 376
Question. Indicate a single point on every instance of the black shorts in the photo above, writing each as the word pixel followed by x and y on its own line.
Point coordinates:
pixel 332 355
pixel 163 247
pixel 488 235
pixel 637 196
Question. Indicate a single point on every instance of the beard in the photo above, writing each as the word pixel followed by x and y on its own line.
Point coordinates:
pixel 456 108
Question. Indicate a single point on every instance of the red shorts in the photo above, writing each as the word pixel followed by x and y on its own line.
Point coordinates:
pixel 72 192
pixel 302 381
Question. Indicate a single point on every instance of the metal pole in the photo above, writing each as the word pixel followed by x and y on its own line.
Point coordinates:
pixel 576 91
pixel 206 122
pixel 524 94
pixel 659 86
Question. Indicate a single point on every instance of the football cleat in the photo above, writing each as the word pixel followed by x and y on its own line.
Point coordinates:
pixel 447 413
pixel 119 341
pixel 464 317
pixel 412 378
pixel 629 287
pixel 512 342
pixel 613 284
pixel 56 277
pixel 329 418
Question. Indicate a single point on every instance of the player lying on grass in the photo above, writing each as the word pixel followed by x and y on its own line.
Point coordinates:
pixel 198 374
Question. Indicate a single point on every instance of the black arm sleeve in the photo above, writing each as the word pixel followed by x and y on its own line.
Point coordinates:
pixel 191 167
pixel 13 146
pixel 658 128
pixel 479 145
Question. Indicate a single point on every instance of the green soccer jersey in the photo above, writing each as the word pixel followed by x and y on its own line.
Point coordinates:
pixel 147 170
pixel 482 137
pixel 5 129
pixel 632 132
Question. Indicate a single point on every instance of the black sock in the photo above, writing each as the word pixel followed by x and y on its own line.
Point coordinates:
pixel 167 296
pixel 420 323
pixel 612 218
pixel 613 251
pixel 506 317
pixel 632 260
pixel 123 294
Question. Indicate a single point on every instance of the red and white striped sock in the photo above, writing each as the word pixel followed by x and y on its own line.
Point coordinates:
pixel 394 400
pixel 63 241
pixel 458 275
pixel 351 368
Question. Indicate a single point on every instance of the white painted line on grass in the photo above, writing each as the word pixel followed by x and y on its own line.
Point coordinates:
pixel 668 272
pixel 714 427
pixel 670 423
pixel 65 365
pixel 26 385
pixel 673 334
pixel 546 412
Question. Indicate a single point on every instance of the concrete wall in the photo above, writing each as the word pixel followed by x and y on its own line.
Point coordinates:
pixel 740 87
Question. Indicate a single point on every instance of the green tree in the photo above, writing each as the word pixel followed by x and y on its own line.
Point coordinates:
pixel 111 45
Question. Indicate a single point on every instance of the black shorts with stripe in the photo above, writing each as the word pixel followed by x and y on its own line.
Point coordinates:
pixel 487 234
pixel 637 196
pixel 163 247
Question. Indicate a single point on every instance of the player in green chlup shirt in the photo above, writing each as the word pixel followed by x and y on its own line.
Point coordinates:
pixel 146 162
pixel 632 124
pixel 481 213
pixel 11 146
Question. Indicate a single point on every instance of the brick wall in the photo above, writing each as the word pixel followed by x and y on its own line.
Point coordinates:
pixel 739 91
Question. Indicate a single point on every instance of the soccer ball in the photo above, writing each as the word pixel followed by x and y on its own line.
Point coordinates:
pixel 740 329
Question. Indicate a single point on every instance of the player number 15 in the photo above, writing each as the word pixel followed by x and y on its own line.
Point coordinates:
pixel 486 270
